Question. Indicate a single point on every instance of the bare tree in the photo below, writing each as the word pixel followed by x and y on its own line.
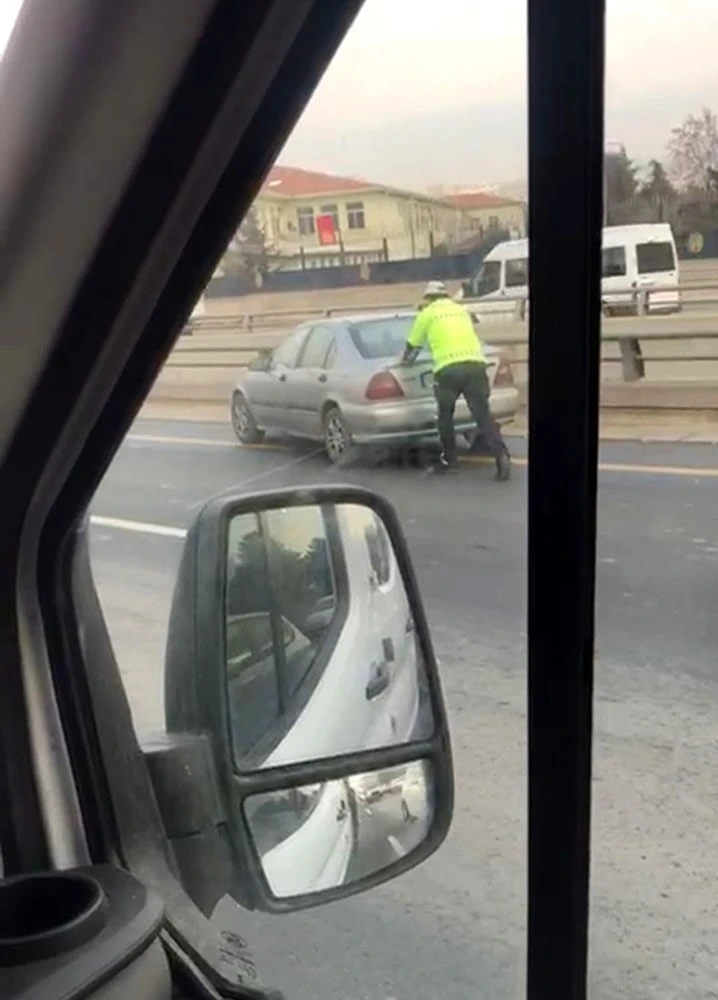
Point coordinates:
pixel 693 152
pixel 657 193
pixel 249 253
pixel 620 184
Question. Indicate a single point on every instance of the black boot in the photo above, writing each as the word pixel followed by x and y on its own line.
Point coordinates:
pixel 503 468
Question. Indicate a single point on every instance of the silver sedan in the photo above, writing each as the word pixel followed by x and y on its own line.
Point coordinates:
pixel 339 381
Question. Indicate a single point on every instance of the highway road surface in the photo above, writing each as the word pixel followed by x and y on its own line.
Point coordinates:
pixel 455 927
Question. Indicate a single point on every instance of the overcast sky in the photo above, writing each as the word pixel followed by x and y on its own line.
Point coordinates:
pixel 426 92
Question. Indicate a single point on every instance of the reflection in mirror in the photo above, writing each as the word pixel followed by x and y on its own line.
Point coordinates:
pixel 322 651
pixel 322 836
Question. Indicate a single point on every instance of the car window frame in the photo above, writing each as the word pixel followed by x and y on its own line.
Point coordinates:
pixel 513 261
pixel 125 305
pixel 301 334
pixel 655 270
pixel 498 265
pixel 332 343
pixel 605 251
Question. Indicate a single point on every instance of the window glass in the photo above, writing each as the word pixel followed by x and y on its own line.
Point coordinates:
pixel 316 349
pixel 489 277
pixel 355 215
pixel 288 352
pixel 384 338
pixel 655 257
pixel 517 273
pixel 380 551
pixel 281 601
pixel 653 919
pixel 414 186
pixel 305 220
pixel 613 262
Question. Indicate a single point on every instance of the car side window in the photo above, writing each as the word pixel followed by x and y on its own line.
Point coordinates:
pixel 379 548
pixel 288 352
pixel 489 279
pixel 282 601
pixel 517 273
pixel 613 262
pixel 317 348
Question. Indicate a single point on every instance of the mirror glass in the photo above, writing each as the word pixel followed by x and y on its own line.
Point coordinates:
pixel 326 835
pixel 321 649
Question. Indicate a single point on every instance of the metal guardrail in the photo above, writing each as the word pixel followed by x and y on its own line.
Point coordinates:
pixel 232 347
pixel 248 321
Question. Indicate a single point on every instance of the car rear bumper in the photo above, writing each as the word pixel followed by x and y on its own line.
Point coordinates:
pixel 415 421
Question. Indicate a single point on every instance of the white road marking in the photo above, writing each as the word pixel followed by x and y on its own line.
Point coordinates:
pixel 141 527
pixel 396 846
pixel 171 439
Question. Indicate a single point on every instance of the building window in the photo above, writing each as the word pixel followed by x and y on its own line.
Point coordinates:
pixel 355 215
pixel 305 220
pixel 494 222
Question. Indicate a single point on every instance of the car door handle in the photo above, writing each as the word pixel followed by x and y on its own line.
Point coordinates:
pixel 322 378
pixel 378 682
pixel 282 378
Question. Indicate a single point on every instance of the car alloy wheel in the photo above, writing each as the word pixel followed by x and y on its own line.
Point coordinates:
pixel 243 423
pixel 337 440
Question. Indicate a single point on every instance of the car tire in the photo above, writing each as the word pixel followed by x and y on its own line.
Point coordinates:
pixel 243 423
pixel 337 437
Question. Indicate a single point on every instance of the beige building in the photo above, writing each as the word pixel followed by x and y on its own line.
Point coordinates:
pixel 490 211
pixel 312 219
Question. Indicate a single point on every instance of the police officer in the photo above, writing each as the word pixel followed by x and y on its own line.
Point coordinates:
pixel 459 370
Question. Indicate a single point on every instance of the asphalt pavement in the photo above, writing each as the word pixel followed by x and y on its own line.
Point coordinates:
pixel 455 927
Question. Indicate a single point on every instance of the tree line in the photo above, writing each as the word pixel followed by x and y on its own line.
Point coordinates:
pixel 682 189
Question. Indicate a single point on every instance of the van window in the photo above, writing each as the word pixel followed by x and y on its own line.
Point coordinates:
pixel 282 600
pixel 379 548
pixel 613 262
pixel 654 257
pixel 517 272
pixel 489 278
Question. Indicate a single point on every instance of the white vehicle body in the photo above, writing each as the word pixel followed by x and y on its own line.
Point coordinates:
pixel 637 258
pixel 318 853
pixel 374 675
pixel 634 258
pixel 378 620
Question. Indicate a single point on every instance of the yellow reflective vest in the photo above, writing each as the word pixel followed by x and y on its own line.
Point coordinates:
pixel 447 328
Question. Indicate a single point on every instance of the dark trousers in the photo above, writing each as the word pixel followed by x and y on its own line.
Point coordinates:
pixel 467 379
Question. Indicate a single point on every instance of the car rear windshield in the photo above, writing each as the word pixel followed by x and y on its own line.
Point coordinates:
pixel 655 257
pixel 381 338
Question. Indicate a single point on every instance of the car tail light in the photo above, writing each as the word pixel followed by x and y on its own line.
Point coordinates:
pixel 384 385
pixel 504 377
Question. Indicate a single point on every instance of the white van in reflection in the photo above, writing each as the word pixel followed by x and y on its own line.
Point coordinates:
pixel 356 649
pixel 635 258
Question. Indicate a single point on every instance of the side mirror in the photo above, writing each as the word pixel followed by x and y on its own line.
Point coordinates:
pixel 298 645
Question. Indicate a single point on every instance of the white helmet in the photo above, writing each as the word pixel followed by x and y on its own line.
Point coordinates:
pixel 435 289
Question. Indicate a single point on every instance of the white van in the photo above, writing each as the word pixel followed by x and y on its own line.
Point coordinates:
pixel 639 257
pixel 634 257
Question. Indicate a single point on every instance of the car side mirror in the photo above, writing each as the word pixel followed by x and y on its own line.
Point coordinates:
pixel 298 647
